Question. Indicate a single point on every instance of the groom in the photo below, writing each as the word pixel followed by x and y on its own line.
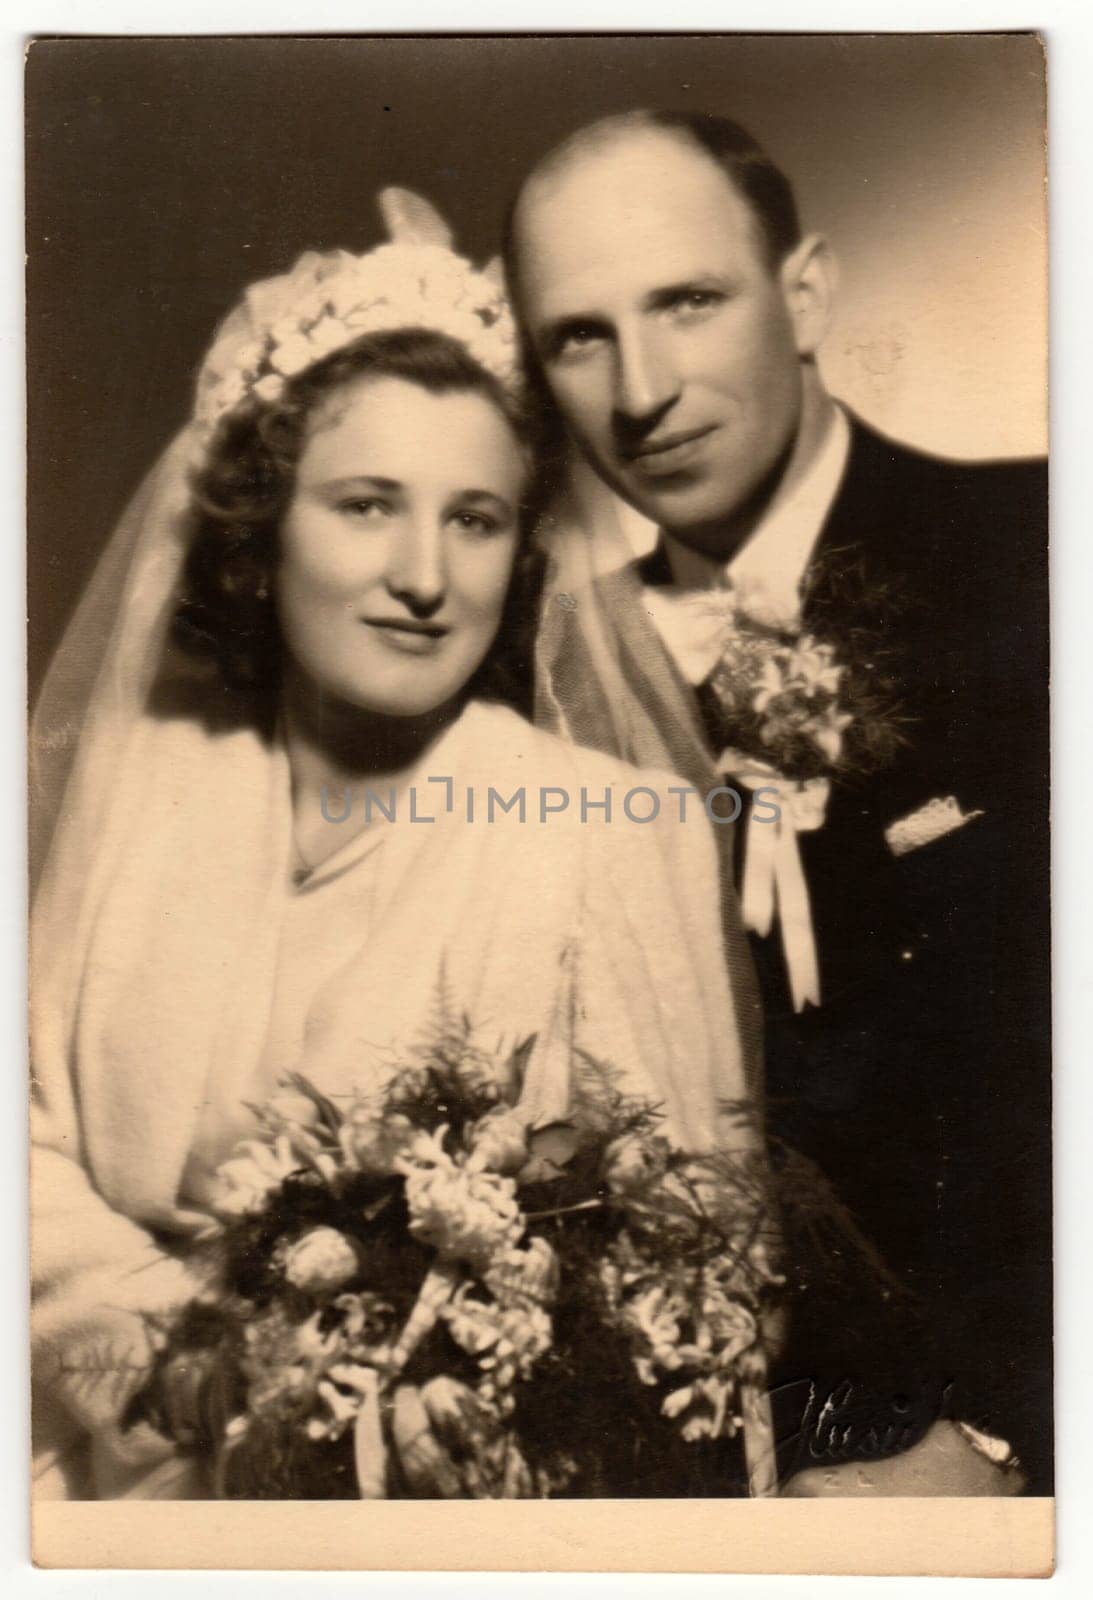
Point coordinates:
pixel 673 312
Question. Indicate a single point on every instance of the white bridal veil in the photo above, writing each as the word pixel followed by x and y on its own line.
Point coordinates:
pixel 604 680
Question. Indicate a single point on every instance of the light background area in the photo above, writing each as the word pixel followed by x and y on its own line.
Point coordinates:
pixel 166 174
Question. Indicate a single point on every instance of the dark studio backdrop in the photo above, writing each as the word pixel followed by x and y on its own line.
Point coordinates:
pixel 164 175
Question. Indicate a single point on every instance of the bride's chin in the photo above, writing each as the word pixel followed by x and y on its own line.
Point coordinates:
pixel 357 728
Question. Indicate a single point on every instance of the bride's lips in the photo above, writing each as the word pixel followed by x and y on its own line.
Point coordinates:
pixel 659 457
pixel 405 634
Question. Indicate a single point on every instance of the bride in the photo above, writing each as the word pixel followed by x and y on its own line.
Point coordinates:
pixel 264 761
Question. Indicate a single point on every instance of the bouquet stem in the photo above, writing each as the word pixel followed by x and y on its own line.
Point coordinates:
pixel 440 1283
pixel 759 1454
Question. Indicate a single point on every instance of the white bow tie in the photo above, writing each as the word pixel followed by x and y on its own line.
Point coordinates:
pixel 694 625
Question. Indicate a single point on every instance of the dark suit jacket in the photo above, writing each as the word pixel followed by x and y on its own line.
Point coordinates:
pixel 921 1085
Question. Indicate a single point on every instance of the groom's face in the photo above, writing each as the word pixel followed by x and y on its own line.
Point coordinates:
pixel 663 331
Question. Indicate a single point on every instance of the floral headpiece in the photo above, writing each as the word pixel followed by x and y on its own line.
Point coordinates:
pixel 326 301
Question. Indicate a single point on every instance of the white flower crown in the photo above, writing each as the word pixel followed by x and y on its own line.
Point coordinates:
pixel 286 324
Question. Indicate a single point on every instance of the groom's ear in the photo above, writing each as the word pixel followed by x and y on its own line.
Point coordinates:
pixel 809 277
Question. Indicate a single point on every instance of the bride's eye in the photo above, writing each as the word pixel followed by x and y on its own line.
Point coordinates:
pixel 476 522
pixel 361 507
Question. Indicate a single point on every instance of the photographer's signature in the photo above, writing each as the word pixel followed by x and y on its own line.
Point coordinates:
pixel 850 1422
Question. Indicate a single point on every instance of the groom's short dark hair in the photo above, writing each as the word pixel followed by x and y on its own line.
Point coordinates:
pixel 751 171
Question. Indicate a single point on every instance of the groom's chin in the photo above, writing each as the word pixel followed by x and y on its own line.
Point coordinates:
pixel 684 505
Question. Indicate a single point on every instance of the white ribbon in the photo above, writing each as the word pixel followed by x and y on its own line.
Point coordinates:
pixel 694 625
pixel 369 1444
pixel 369 1447
pixel 774 878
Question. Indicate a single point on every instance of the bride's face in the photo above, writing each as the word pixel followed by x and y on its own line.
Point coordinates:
pixel 398 544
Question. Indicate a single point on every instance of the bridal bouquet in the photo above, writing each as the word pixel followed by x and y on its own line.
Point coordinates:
pixel 419 1293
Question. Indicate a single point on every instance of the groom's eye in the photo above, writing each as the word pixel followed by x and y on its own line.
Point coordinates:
pixel 573 339
pixel 694 301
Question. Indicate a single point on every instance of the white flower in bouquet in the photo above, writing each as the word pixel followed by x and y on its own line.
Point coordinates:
pixel 704 1407
pixel 723 1328
pixel 455 1410
pixel 528 1272
pixel 705 1331
pixel 321 1261
pixel 375 1143
pixel 297 1118
pixel 283 1360
pixel 465 1216
pixel 476 1074
pixel 656 1315
pixel 367 1320
pixel 506 1339
pixel 473 1323
pixel 245 1182
pixel 526 1333
pixel 633 1161
pixel 498 1141
pixel 343 1391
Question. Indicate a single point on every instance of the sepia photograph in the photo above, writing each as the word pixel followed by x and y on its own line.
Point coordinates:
pixel 538 653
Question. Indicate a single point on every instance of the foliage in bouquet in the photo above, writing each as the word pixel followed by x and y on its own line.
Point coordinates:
pixel 567 1309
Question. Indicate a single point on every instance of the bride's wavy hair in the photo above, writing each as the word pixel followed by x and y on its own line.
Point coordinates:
pixel 226 612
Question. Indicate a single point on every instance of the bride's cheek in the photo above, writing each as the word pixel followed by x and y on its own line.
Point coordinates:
pixel 335 574
pixel 489 586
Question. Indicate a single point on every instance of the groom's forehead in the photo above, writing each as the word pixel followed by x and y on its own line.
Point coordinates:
pixel 648 206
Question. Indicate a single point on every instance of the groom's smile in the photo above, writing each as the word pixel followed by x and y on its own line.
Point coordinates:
pixel 665 454
pixel 672 345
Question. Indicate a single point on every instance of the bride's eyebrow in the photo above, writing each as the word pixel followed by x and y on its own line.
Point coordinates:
pixel 359 480
pixel 483 497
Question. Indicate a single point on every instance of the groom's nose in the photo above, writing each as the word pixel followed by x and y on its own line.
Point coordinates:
pixel 646 383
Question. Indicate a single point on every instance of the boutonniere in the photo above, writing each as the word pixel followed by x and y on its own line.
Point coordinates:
pixel 801 704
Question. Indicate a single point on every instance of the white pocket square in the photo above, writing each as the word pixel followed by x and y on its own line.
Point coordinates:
pixel 931 821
